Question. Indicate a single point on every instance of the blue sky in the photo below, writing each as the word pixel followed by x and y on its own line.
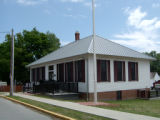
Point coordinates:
pixel 133 23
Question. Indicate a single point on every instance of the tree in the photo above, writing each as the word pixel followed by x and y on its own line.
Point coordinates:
pixel 29 46
pixel 155 65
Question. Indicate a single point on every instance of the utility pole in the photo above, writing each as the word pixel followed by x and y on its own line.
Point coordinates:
pixel 94 55
pixel 12 65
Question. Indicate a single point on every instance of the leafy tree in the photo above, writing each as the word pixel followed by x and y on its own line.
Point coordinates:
pixel 29 46
pixel 155 65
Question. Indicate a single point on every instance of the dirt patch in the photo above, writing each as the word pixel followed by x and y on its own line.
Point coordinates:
pixel 98 104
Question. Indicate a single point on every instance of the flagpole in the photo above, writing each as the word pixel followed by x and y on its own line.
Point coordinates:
pixel 94 54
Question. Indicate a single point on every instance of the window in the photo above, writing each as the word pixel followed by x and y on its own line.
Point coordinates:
pixel 33 75
pixel 60 72
pixel 80 71
pixel 133 71
pixel 69 72
pixel 119 70
pixel 38 74
pixel 51 72
pixel 103 70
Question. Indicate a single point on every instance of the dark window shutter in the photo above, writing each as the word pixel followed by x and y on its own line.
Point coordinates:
pixel 98 71
pixel 115 71
pixel 83 70
pixel 61 76
pixel 65 77
pixel 57 72
pixel 38 75
pixel 71 72
pixel 124 75
pixel 76 71
pixel 43 73
pixel 137 71
pixel 108 69
pixel 60 72
pixel 129 71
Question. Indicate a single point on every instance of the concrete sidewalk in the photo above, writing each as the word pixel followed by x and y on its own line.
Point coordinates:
pixel 89 109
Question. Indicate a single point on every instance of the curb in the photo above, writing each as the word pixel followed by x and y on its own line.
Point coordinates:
pixel 40 109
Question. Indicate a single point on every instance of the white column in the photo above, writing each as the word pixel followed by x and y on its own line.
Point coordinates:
pixel 46 72
pixel 55 72
pixel 126 72
pixel 112 71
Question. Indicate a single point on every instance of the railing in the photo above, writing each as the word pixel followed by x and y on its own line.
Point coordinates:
pixel 53 86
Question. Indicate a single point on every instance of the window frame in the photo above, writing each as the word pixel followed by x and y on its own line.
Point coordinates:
pixel 130 71
pixel 51 71
pixel 82 63
pixel 99 69
pixel 116 71
pixel 69 72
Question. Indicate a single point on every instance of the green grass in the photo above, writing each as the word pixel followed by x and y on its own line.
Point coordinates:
pixel 54 98
pixel 138 106
pixel 67 112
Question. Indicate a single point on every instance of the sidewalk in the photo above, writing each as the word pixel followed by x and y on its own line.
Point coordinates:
pixel 89 109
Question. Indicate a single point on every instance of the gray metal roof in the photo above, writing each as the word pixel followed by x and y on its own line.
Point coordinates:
pixel 83 46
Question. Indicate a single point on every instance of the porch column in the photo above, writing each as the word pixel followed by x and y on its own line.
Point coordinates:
pixel 55 72
pixel 111 71
pixel 46 72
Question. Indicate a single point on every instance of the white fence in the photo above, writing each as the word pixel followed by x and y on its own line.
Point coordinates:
pixel 3 83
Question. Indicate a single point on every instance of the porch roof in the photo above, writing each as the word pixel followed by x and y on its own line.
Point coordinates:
pixel 85 45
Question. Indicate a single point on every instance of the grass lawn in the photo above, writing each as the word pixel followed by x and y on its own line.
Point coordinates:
pixel 67 112
pixel 54 98
pixel 138 106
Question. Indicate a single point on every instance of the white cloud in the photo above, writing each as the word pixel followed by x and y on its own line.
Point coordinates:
pixel 83 2
pixel 64 43
pixel 135 16
pixel 156 5
pixel 46 11
pixel 31 2
pixel 89 4
pixel 143 33
pixel 75 16
pixel 73 1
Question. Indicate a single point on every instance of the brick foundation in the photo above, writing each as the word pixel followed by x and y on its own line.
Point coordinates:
pixel 7 89
pixel 112 95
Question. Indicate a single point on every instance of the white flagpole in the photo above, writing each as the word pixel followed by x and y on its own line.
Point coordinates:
pixel 94 54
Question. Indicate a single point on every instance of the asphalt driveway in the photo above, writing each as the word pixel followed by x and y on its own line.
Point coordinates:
pixel 13 111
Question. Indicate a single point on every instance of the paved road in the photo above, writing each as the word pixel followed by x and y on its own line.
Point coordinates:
pixel 13 111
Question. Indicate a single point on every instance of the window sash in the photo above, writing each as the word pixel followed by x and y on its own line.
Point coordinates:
pixel 103 70
pixel 133 71
pixel 119 71
pixel 80 71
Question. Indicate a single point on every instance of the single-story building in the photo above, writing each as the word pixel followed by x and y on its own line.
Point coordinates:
pixel 121 71
pixel 154 78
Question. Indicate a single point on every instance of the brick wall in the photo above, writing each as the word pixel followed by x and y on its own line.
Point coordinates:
pixel 112 95
pixel 7 88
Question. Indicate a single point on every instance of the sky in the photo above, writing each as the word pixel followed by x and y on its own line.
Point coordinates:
pixel 132 23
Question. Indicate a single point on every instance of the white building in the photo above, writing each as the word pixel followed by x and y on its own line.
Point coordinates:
pixel 154 77
pixel 121 71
